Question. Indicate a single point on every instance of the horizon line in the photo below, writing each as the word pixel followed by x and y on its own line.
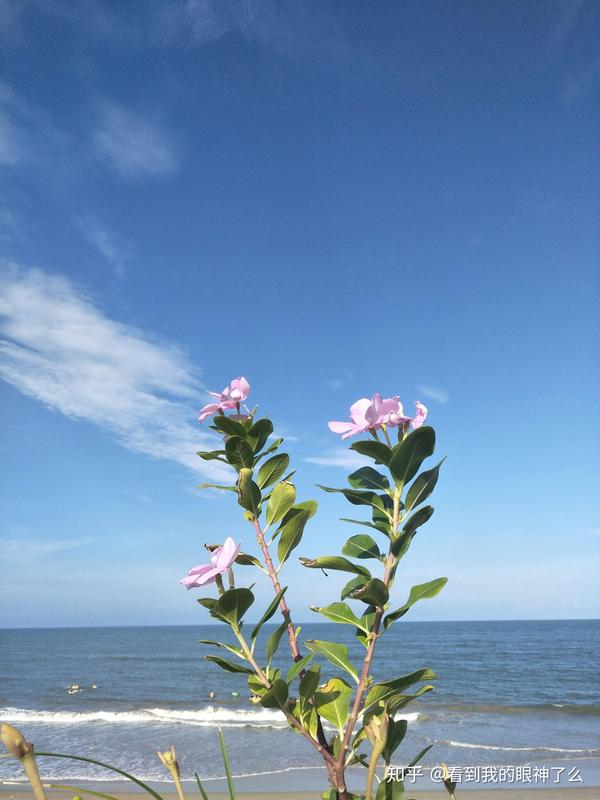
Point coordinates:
pixel 301 622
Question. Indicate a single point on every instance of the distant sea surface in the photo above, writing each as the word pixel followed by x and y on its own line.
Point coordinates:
pixel 507 693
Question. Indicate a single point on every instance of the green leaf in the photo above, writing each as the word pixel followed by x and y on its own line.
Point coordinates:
pixel 390 790
pixel 352 586
pixel 282 499
pixel 272 608
pixel 272 470
pixel 332 701
pixel 422 591
pixel 369 478
pixel 340 612
pixel 211 455
pixel 228 426
pixel 217 486
pixel 420 755
pixel 396 733
pixel 259 433
pixel 410 454
pixel 246 560
pixel 233 604
pixel 309 682
pixel 365 523
pixel 336 654
pixel 228 666
pixel 337 563
pixel 375 593
pixel 377 450
pixel 291 534
pixel 235 650
pixel 361 546
pixel 402 543
pixel 367 620
pixel 249 496
pixel 298 666
pixel 271 449
pixel 276 696
pixel 381 691
pixel 239 453
pixel 208 602
pixel 274 640
pixel 422 487
pixel 306 505
pixel 356 497
pixel 419 518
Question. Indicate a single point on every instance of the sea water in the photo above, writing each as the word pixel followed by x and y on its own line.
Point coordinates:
pixel 507 693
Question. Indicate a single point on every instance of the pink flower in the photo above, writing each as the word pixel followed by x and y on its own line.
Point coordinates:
pixel 369 415
pixel 420 417
pixel 231 396
pixel 220 561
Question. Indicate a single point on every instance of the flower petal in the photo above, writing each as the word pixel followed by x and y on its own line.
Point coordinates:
pixel 227 554
pixel 208 411
pixel 359 410
pixel 420 416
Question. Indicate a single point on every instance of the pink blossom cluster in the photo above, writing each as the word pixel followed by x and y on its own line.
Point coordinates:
pixel 231 397
pixel 370 415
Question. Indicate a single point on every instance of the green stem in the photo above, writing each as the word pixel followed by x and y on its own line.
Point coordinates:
pixel 362 683
pixel 377 751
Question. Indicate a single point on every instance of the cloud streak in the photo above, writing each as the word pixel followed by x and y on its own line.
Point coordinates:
pixel 339 457
pixel 58 348
pixel 111 246
pixel 28 548
pixel 133 145
pixel 435 393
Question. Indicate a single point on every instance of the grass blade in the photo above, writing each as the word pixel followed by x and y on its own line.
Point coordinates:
pixel 78 790
pixel 200 787
pixel 227 766
pixel 129 777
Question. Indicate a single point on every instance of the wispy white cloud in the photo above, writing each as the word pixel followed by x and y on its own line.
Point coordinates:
pixel 27 133
pixel 58 348
pixel 132 144
pixel 435 393
pixel 28 548
pixel 109 244
pixel 339 457
pixel 297 31
pixel 339 381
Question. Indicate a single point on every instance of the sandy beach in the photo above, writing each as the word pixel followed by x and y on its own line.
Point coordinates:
pixel 544 793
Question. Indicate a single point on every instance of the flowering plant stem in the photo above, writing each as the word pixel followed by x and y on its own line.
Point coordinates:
pixel 366 713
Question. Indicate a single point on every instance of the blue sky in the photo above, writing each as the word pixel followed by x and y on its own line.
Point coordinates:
pixel 331 199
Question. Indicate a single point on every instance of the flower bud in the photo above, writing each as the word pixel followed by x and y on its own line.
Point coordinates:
pixel 169 759
pixel 377 729
pixel 14 741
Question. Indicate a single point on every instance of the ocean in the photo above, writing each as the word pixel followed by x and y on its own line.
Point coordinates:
pixel 508 693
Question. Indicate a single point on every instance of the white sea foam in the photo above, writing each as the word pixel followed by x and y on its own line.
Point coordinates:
pixel 537 749
pixel 210 716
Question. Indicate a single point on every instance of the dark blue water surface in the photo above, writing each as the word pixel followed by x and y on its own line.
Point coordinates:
pixel 507 693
